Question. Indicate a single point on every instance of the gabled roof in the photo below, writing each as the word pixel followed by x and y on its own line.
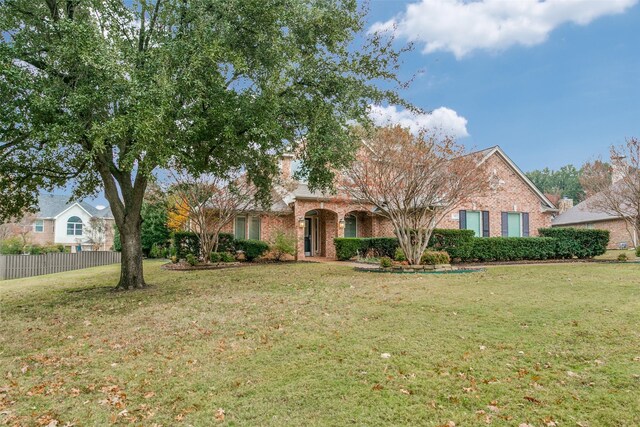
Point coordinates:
pixel 52 205
pixel 488 152
pixel 302 191
pixel 581 213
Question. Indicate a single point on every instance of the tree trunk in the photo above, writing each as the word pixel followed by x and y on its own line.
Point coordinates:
pixel 131 274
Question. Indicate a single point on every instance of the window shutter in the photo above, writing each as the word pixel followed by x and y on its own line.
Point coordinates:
pixel 485 223
pixel 505 224
pixel 525 224
pixel 462 217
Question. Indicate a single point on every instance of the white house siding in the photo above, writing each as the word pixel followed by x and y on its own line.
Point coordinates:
pixel 61 236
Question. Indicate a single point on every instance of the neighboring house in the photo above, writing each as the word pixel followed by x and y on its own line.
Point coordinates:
pixel 583 215
pixel 513 206
pixel 76 225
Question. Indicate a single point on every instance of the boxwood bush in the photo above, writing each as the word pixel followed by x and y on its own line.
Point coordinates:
pixel 380 246
pixel 252 248
pixel 347 247
pixel 457 243
pixel 186 242
pixel 435 257
pixel 511 249
pixel 578 242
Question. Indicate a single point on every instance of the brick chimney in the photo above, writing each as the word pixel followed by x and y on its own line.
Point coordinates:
pixel 564 204
pixel 285 167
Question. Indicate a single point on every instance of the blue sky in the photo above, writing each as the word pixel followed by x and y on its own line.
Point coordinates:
pixel 559 87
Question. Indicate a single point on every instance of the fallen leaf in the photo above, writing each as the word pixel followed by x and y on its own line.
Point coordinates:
pixel 385 355
pixel 219 414
pixel 149 395
pixel 377 387
pixel 532 400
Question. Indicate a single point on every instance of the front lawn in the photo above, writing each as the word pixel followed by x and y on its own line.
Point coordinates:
pixel 320 344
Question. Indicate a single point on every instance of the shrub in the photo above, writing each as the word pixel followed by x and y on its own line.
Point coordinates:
pixel 155 251
pixel 457 243
pixel 435 257
pixel 348 247
pixel 252 248
pixel 226 243
pixel 623 257
pixel 399 256
pixel 215 257
pixel 174 259
pixel 11 246
pixel 385 262
pixel 380 246
pixel 186 243
pixel 638 251
pixel 283 244
pixel 191 259
pixel 34 250
pixel 512 249
pixel 227 257
pixel 578 242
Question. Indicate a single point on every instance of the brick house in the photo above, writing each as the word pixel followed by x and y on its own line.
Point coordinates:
pixel 583 215
pixel 513 206
pixel 58 222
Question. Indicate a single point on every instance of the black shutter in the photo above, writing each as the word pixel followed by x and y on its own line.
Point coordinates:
pixel 505 224
pixel 462 217
pixel 525 224
pixel 485 223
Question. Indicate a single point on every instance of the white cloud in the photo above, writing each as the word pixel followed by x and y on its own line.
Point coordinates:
pixel 443 120
pixel 461 26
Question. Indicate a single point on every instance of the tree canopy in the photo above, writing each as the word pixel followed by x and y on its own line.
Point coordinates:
pixel 562 182
pixel 101 94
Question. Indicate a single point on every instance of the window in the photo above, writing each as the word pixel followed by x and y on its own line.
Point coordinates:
pixel 38 226
pixel 474 222
pixel 74 226
pixel 514 228
pixel 350 226
pixel 254 227
pixel 240 229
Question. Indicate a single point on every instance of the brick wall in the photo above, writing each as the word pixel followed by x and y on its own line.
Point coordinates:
pixel 47 237
pixel 617 229
pixel 512 195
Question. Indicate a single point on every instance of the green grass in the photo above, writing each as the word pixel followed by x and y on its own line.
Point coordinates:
pixel 302 344
pixel 613 254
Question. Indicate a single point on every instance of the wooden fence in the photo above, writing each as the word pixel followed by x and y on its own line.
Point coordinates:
pixel 17 266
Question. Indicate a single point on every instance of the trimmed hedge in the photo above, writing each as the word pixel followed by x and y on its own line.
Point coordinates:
pixel 457 243
pixel 348 247
pixel 380 246
pixel 578 242
pixel 186 242
pixel 512 249
pixel 252 248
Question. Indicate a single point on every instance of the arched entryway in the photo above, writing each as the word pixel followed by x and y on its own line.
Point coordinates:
pixel 320 228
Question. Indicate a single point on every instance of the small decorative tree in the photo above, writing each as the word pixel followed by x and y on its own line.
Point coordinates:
pixel 98 233
pixel 211 202
pixel 414 181
pixel 615 187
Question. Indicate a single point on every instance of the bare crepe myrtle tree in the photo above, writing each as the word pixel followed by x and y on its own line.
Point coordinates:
pixel 615 186
pixel 414 181
pixel 211 202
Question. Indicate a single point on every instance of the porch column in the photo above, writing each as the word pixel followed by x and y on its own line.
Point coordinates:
pixel 299 233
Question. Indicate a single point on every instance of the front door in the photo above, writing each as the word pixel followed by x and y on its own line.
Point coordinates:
pixel 307 236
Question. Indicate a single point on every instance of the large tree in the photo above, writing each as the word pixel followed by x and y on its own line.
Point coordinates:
pixel 414 181
pixel 101 94
pixel 614 187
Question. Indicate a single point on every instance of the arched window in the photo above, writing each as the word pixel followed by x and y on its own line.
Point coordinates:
pixel 74 226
